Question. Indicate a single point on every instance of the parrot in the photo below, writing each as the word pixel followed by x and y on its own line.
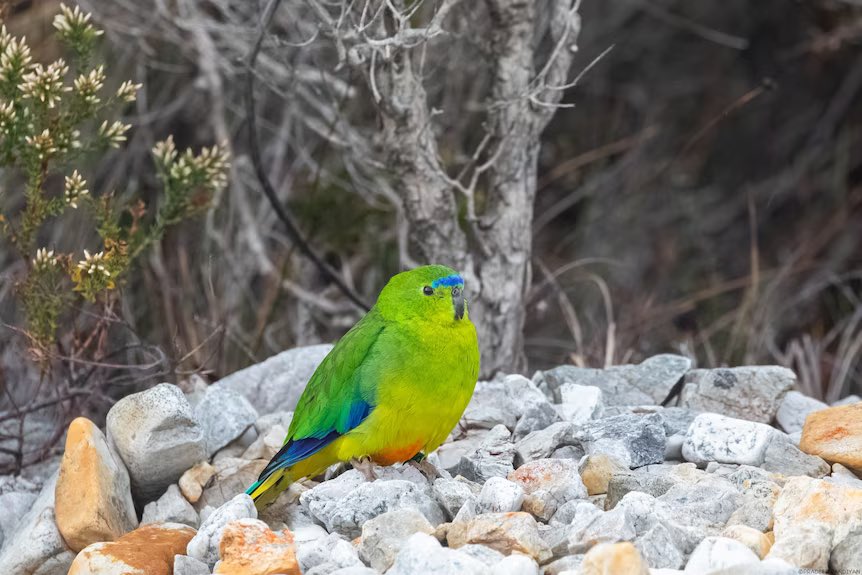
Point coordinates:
pixel 390 390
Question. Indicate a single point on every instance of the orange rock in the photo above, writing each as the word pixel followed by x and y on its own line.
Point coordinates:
pixel 249 547
pixel 614 559
pixel 93 499
pixel 835 434
pixel 148 550
pixel 194 480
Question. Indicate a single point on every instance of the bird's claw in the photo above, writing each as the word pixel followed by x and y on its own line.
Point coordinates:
pixel 365 466
pixel 425 467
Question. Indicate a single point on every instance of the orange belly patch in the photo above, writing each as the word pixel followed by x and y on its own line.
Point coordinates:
pixel 397 454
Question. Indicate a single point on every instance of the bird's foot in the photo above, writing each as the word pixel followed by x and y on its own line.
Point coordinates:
pixel 365 466
pixel 420 462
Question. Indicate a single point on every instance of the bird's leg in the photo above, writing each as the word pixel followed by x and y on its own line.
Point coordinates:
pixel 424 466
pixel 365 466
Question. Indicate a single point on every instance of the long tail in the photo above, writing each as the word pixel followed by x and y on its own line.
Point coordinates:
pixel 265 491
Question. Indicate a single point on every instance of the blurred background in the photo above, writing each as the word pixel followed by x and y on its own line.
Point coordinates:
pixel 698 190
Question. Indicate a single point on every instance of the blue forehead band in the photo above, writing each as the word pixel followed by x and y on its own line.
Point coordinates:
pixel 448 281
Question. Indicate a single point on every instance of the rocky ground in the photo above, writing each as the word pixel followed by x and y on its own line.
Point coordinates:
pixel 576 471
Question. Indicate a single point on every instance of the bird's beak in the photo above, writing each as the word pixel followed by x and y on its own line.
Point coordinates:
pixel 460 303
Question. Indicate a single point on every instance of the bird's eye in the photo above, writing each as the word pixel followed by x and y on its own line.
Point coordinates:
pixel 456 292
pixel 428 290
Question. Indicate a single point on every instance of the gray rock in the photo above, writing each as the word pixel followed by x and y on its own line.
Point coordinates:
pixel 703 499
pixel 501 401
pixel 715 553
pixel 232 475
pixel 840 476
pixel 634 440
pixel 266 422
pixel 752 393
pixel 657 547
pixel 849 400
pixel 326 554
pixel 579 403
pixel 451 494
pixel 782 456
pixel 345 513
pixel 847 553
pixel 677 419
pixel 224 415
pixel 646 383
pixel 493 457
pixel 204 546
pixel 422 553
pixel 15 504
pixel 483 553
pixel 515 564
pixel 541 444
pixel 451 452
pixel 383 536
pixel 569 565
pixel 575 452
pixel 276 383
pixel 535 418
pixel 157 437
pixel 548 484
pixel 714 437
pixel 36 546
pixel 686 530
pixel 644 481
pixel 185 565
pixel 805 545
pixel 794 408
pixel 606 527
pixel 500 495
pixel 171 507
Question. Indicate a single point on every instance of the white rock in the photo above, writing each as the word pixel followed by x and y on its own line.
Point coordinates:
pixel 326 554
pixel 542 443
pixel 15 505
pixel 493 457
pixel 840 476
pixel 355 570
pixel 204 546
pixel 849 400
pixel 847 553
pixel 658 548
pixel 156 436
pixel 224 415
pixel 185 565
pixel 422 553
pixel 579 403
pixel 636 440
pixel 171 507
pixel 715 553
pixel 548 484
pixel 535 418
pixel 714 437
pixel 383 536
pixel 794 408
pixel 267 444
pixel 500 496
pixel 276 384
pixel 515 564
pixel 36 547
pixel 805 545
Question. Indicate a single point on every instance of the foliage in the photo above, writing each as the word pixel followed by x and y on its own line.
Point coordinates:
pixel 51 117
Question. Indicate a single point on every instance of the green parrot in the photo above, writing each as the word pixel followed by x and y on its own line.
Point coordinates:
pixel 391 390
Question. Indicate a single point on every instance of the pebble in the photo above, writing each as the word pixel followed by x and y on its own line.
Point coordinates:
pixel 499 495
pixel 547 484
pixel 171 507
pixel 794 408
pixel 597 470
pixel 422 553
pixel 451 494
pixel 542 443
pixel 579 403
pixel 715 553
pixel 493 457
pixel 193 481
pixel 535 418
pixel 714 437
pixel 613 558
pixel 753 393
pixel 505 532
pixel 635 440
pixel 383 536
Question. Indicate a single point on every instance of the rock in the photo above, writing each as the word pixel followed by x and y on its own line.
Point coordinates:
pixel 422 553
pixel 766 567
pixel 451 494
pixel 461 443
pixel 849 400
pixel 579 403
pixel 171 507
pixel 185 565
pixel 345 513
pixel 383 536
pixel 232 476
pixel 493 457
pixel 847 554
pixel 597 470
pixel 193 481
pixel 93 498
pixel 835 434
pixel 500 495
pixel 715 553
pixel 840 476
pixel 267 444
pixel 804 545
pixel 505 532
pixel 644 512
pixel 535 418
pixel 15 504
pixel 484 554
pixel 714 437
pixel 703 498
pixel 224 414
pixel 149 549
pixel 354 570
pixel 36 546
pixel 501 402
pixel 205 544
pixel 249 547
pixel 542 443
pixel 758 542
pixel 783 457
pixel 644 480
pixel 646 383
pixel 635 440
pixel 325 554
pixel 658 548
pixel 613 558
pixel 590 529
pixel 547 484
pixel 276 384
pixel 515 564
pixel 156 436
pixel 752 393
pixel 794 408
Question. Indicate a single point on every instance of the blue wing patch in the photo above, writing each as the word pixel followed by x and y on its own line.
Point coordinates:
pixel 296 450
pixel 448 281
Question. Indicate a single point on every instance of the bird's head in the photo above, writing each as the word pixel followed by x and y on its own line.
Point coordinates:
pixel 432 293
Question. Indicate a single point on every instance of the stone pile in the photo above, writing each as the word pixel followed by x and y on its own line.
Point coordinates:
pixel 573 472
